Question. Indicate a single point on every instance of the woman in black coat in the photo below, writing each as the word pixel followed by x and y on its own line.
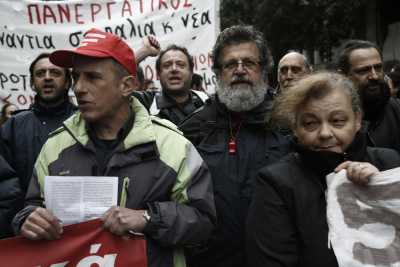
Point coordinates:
pixel 287 224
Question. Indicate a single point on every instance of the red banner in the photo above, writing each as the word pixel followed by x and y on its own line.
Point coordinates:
pixel 85 244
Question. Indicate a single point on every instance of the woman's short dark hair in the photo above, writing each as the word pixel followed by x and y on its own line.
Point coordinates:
pixel 313 86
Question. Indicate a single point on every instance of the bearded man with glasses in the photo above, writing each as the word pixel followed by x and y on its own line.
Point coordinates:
pixel 230 133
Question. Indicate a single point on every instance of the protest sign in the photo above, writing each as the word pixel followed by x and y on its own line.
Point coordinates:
pixel 81 245
pixel 364 221
pixel 28 28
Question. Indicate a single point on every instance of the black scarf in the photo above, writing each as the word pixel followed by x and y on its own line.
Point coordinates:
pixel 324 162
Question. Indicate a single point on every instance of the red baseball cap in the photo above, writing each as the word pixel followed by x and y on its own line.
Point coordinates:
pixel 98 44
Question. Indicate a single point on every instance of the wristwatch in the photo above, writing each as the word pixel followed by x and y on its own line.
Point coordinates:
pixel 146 216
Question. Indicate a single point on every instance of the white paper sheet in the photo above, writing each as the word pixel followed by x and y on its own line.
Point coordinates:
pixel 74 199
pixel 364 221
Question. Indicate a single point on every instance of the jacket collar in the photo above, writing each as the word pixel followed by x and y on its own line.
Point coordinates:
pixel 256 116
pixel 324 162
pixel 165 101
pixel 122 133
pixel 64 107
pixel 141 132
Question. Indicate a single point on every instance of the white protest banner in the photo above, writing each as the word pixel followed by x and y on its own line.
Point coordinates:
pixel 364 221
pixel 30 27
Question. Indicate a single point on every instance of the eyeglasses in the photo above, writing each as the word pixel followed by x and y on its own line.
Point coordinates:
pixel 246 63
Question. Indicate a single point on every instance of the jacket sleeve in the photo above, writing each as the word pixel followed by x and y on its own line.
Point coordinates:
pixel 270 231
pixel 10 197
pixel 7 141
pixel 33 199
pixel 191 128
pixel 190 216
pixel 384 158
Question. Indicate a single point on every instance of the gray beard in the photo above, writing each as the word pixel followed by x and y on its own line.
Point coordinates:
pixel 239 98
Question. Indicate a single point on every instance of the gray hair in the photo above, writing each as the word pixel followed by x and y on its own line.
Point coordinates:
pixel 239 34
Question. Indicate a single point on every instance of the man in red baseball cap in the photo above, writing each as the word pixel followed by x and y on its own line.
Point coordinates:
pixel 98 44
pixel 168 198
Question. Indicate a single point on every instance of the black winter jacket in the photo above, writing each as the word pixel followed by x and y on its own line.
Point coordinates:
pixel 10 197
pixel 162 105
pixel 287 225
pixel 233 175
pixel 26 132
pixel 384 131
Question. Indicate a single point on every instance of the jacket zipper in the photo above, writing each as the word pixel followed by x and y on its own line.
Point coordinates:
pixel 124 192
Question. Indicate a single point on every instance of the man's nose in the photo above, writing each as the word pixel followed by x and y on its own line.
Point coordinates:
pixel 373 74
pixel 78 86
pixel 290 74
pixel 325 131
pixel 47 75
pixel 174 67
pixel 239 68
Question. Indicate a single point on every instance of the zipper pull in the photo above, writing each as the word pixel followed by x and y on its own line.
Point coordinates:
pixel 124 192
pixel 329 239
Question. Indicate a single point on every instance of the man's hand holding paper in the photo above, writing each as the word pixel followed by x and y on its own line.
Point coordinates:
pixel 42 224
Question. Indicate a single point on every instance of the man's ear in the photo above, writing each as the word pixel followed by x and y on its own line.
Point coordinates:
pixel 32 85
pixel 128 85
pixel 137 85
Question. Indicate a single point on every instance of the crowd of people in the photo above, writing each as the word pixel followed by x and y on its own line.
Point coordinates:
pixel 232 179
